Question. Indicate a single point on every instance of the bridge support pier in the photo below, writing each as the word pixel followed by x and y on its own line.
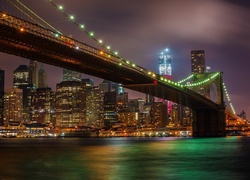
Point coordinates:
pixel 209 123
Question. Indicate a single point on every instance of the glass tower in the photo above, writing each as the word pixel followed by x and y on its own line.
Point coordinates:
pixel 165 64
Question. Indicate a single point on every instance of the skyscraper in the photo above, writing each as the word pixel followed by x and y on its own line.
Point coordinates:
pixel 159 117
pixel 21 76
pixel 110 109
pixel 13 106
pixel 165 64
pixel 94 106
pixel 69 75
pixel 21 80
pixel 42 105
pixel 122 102
pixel 70 104
pixel 33 74
pixel 198 61
pixel 1 96
pixel 42 77
pixel 165 69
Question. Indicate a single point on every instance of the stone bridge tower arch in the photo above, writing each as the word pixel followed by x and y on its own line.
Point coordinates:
pixel 205 81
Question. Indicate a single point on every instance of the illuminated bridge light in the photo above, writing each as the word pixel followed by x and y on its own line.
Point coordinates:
pixel 127 62
pixel 91 34
pixel 4 15
pixel 120 64
pixel 153 75
pixel 149 72
pixel 60 7
pixel 72 17
pixel 82 26
pixel 133 65
pixel 116 53
pixel 162 78
pixel 56 35
pixel 108 47
pixel 77 47
pixel 100 41
pixel 109 56
pixel 101 52
pixel 22 29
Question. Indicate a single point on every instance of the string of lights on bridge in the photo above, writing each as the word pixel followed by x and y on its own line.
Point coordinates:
pixel 202 81
pixel 91 34
pixel 228 98
pixel 185 79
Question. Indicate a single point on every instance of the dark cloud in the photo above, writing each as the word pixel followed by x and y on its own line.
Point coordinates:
pixel 140 29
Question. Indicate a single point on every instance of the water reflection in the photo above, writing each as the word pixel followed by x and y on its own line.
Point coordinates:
pixel 125 158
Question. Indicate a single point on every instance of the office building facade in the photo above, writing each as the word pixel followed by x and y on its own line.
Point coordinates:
pixel 70 104
pixel 198 65
pixel 42 106
pixel 94 107
pixel 13 106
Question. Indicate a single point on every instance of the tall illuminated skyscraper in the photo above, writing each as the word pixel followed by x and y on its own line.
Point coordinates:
pixel 165 64
pixel 13 106
pixel 198 61
pixel 22 81
pixel 94 107
pixel 70 104
pixel 165 69
pixel 42 105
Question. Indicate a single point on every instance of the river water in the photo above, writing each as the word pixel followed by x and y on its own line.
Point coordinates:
pixel 125 158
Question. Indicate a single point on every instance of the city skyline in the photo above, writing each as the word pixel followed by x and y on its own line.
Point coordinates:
pixel 140 33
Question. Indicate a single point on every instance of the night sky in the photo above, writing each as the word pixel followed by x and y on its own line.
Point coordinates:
pixel 140 29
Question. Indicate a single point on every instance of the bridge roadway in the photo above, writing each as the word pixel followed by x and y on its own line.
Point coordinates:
pixel 28 40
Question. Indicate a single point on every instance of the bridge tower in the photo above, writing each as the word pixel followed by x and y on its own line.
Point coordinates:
pixel 209 122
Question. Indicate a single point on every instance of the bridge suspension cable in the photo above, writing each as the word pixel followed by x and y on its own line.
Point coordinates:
pixel 10 1
pixel 34 14
pixel 82 27
pixel 185 79
pixel 228 98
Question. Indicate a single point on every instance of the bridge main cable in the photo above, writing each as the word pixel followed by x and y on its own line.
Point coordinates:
pixel 34 14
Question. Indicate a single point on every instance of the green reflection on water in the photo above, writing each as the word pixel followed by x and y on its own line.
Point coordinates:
pixel 124 158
